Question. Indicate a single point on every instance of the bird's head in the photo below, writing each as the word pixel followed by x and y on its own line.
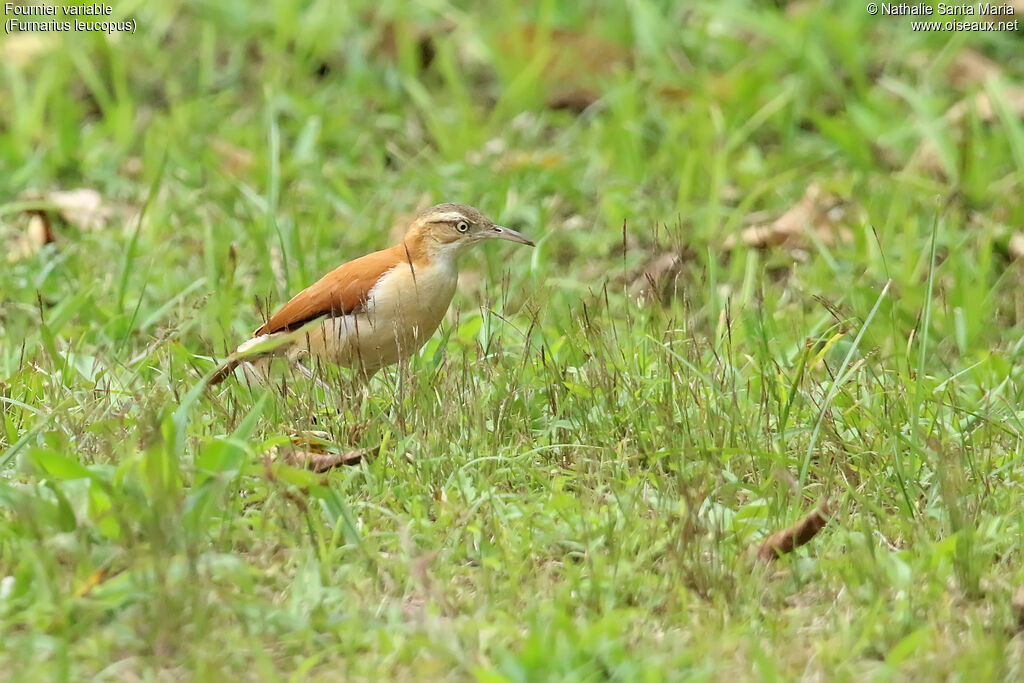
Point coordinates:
pixel 448 229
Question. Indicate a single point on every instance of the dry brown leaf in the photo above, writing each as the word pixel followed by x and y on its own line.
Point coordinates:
pixel 323 462
pixel 970 68
pixel 983 106
pixel 37 234
pixel 312 440
pixel 817 210
pixel 81 207
pixel 794 536
pixel 39 230
pixel 311 449
pixel 95 579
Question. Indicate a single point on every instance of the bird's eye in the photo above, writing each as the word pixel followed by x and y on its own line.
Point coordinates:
pixel 462 226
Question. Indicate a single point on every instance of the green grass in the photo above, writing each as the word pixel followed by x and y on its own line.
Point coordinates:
pixel 571 482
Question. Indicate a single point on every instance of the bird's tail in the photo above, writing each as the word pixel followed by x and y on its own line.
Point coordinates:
pixel 225 369
pixel 255 352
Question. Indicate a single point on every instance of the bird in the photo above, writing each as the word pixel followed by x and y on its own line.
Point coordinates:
pixel 378 309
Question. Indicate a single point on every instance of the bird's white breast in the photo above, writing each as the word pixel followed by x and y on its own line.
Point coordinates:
pixel 403 309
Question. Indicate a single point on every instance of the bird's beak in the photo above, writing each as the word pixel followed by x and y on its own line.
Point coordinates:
pixel 498 232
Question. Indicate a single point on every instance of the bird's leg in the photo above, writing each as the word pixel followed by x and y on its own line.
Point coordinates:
pixel 301 367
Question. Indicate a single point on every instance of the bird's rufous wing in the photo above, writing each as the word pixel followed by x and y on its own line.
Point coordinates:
pixel 342 291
